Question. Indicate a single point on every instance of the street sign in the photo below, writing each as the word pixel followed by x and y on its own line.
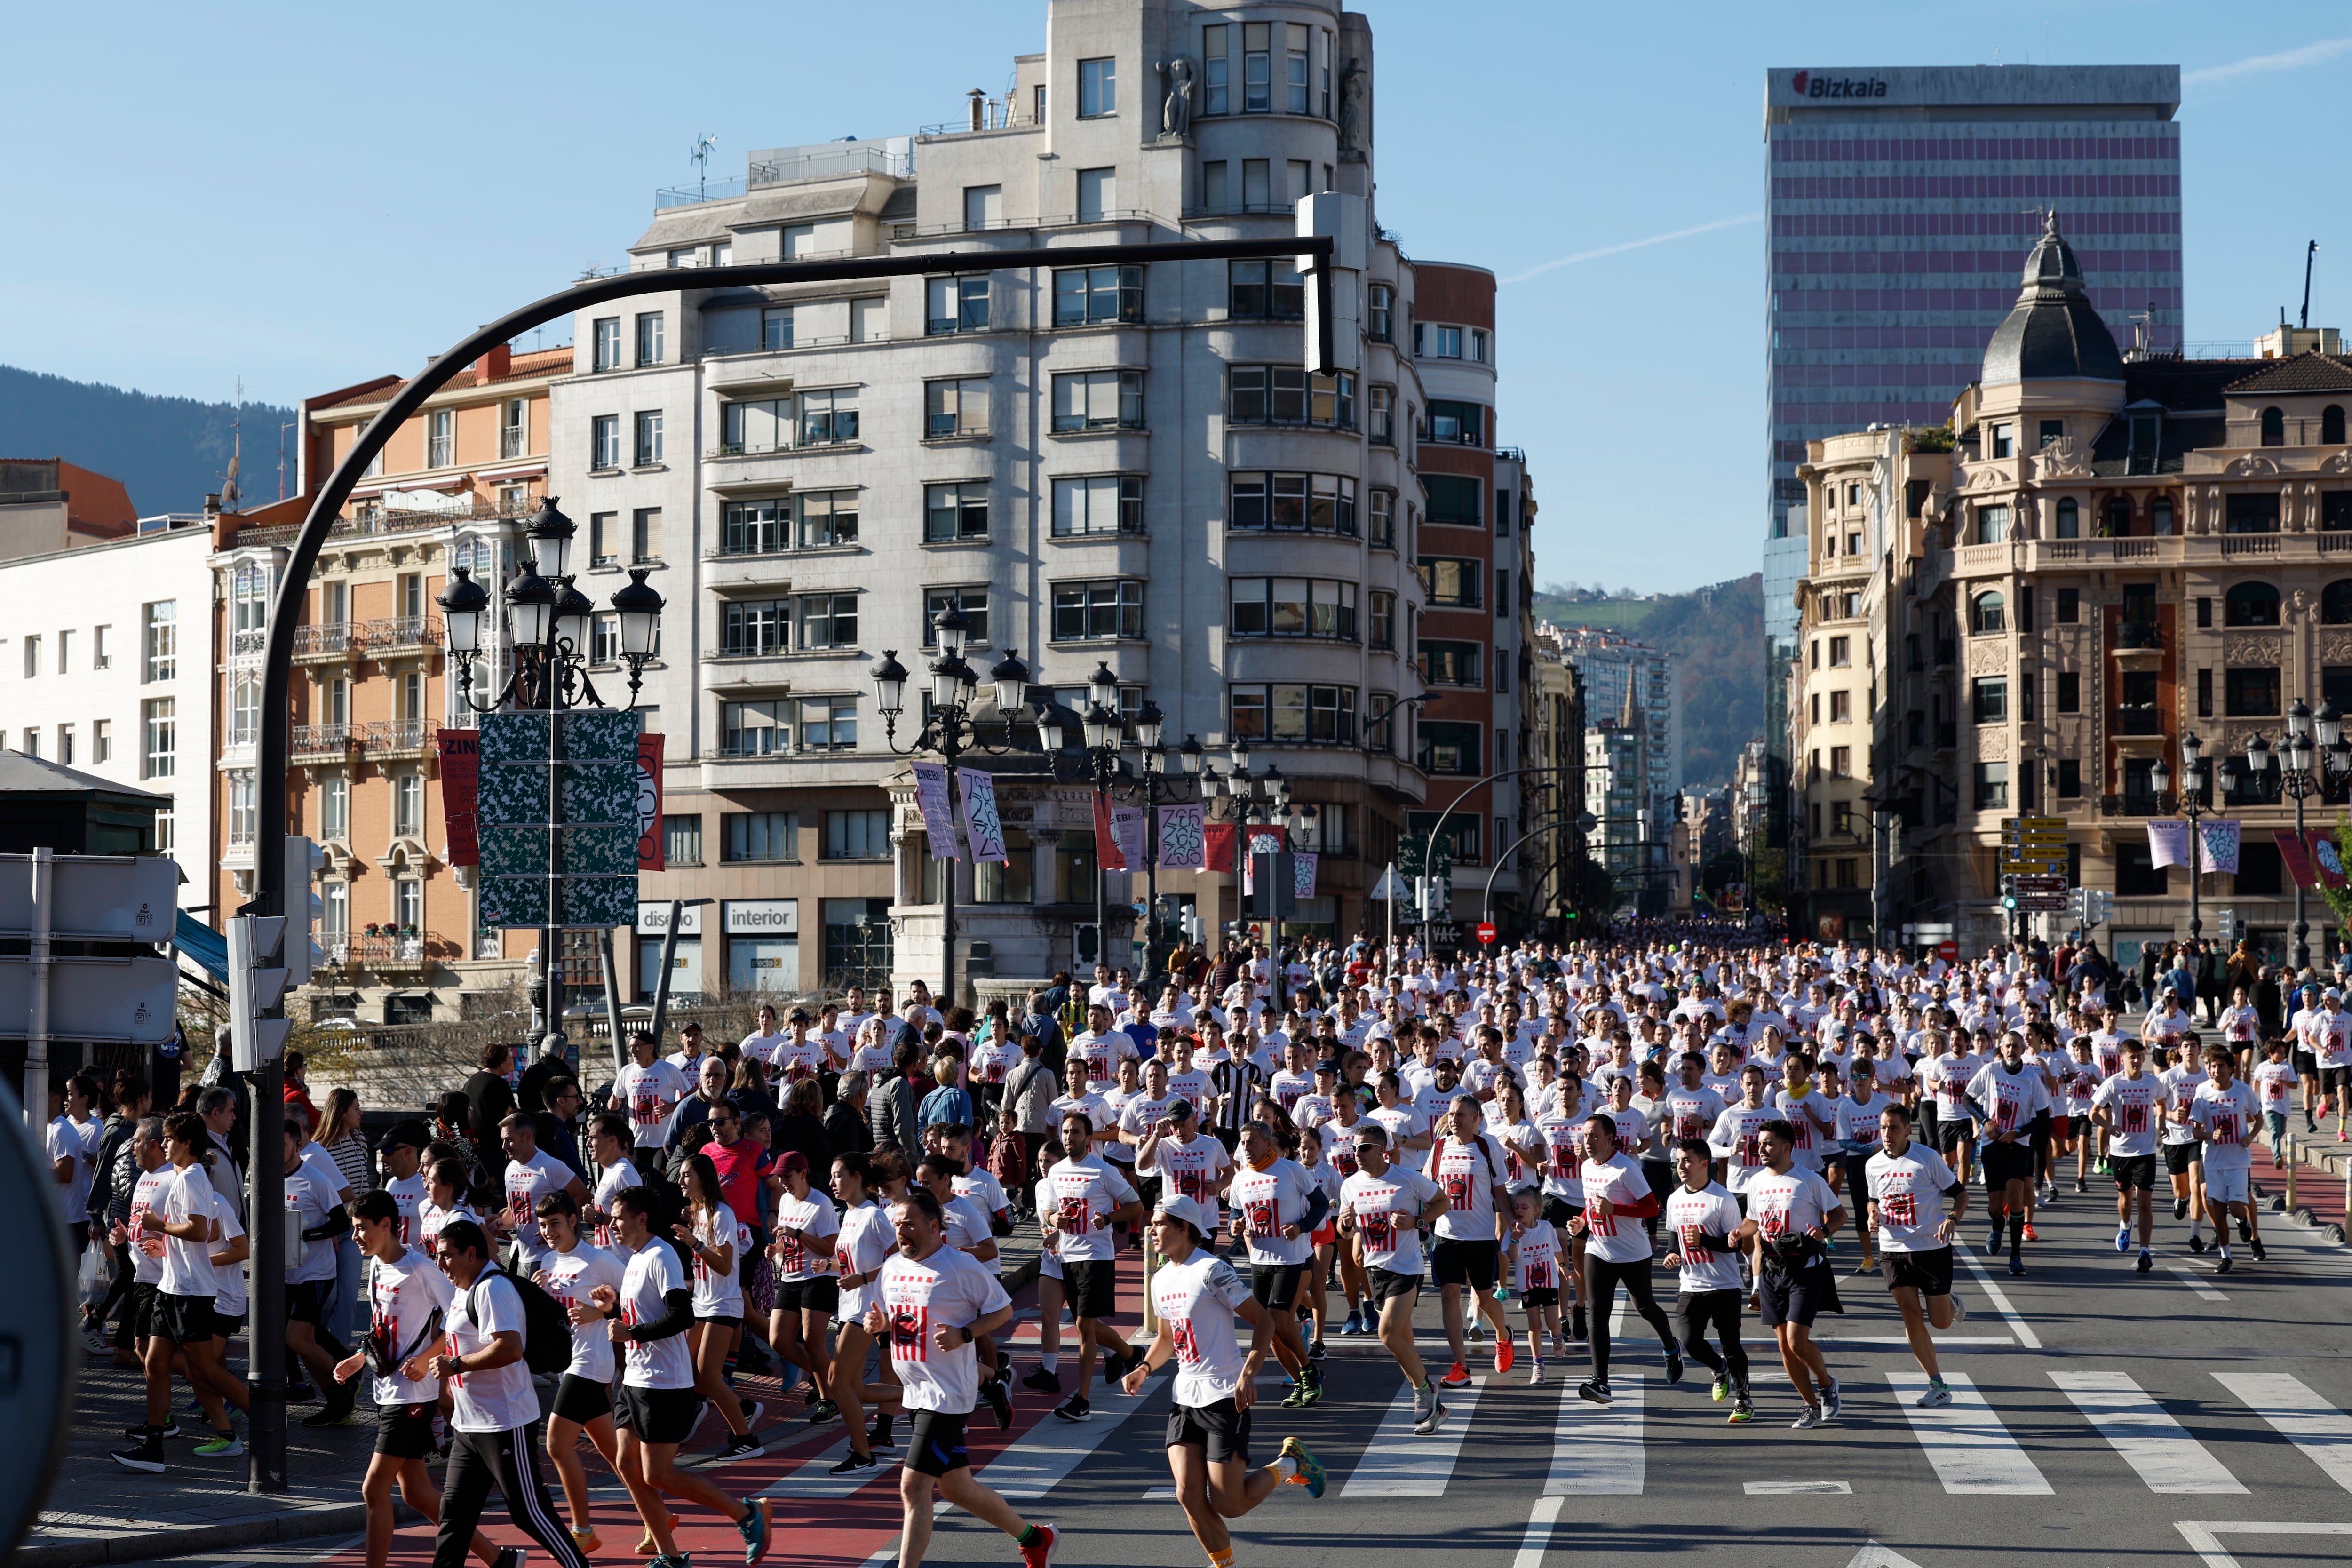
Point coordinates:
pixel 2040 892
pixel 128 999
pixel 1486 933
pixel 47 897
pixel 105 898
pixel 1949 950
pixel 1390 887
pixel 578 848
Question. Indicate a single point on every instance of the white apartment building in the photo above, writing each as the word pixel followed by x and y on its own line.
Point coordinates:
pixel 106 668
pixel 1123 467
pixel 1613 666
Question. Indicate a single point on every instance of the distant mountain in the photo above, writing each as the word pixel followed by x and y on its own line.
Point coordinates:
pixel 169 452
pixel 1718 633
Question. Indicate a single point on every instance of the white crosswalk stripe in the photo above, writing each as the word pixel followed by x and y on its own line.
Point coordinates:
pixel 2155 1446
pixel 1971 1451
pixel 1597 1449
pixel 2298 1415
pixel 1398 1464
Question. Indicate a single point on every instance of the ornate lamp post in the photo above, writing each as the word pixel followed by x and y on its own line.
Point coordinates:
pixel 2197 802
pixel 2308 771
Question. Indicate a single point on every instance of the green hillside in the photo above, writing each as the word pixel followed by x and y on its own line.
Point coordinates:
pixel 169 452
pixel 1718 634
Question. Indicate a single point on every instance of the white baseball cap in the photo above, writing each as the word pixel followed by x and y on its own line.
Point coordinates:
pixel 1176 1205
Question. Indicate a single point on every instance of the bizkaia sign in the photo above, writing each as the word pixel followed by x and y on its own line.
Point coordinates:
pixel 1817 84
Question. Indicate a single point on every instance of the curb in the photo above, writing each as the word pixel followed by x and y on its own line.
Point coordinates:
pixel 134 1546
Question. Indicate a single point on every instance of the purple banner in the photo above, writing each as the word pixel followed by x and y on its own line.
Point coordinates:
pixel 979 819
pixel 1182 838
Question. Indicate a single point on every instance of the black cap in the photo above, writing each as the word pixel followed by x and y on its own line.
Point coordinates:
pixel 410 1134
pixel 1329 1065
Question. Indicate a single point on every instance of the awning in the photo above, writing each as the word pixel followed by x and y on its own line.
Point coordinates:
pixel 201 942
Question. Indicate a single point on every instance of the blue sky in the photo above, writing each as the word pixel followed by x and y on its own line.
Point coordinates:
pixel 306 196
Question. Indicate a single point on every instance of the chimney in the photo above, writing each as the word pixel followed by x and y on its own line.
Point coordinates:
pixel 497 363
pixel 212 506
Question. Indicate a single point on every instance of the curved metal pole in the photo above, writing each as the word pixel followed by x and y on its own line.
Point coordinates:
pixel 1467 790
pixel 1486 908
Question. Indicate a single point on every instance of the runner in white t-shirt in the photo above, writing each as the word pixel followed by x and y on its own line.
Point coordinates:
pixel 1616 1252
pixel 570 1270
pixel 609 1147
pixel 1906 1187
pixel 2224 1114
pixel 1276 1207
pixel 1384 1206
pixel 1701 1218
pixel 646 1091
pixel 1090 1197
pixel 806 1231
pixel 1791 1215
pixel 2129 1109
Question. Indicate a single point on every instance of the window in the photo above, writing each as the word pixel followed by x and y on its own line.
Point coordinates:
pixel 605 442
pixel 2252 513
pixel 408 805
pixel 1380 417
pixel 1217 79
pixel 954 408
pixel 66 744
pixel 1433 342
pixel 1084 296
pixel 983 206
pixel 101 740
pixel 828 723
pixel 685 256
pixel 245 707
pixel 1447 747
pixel 761 834
pixel 1841 707
pixel 1988 612
pixel 1294 607
pixel 2137 874
pixel 2273 427
pixel 243 814
pixel 2070 519
pixel 1992 524
pixel 1841 652
pixel 1992 786
pixel 2070 606
pixel 645 534
pixel 1456 424
pixel 1990 699
pixel 762 426
pixel 1103 503
pixel 856 836
pixel 756 626
pixel 2252 604
pixel 1449 582
pixel 2004 440
pixel 440 439
pixel 514 427
pixel 1840 762
pixel 2204 613
pixel 1383 516
pixel 2250 693
pixel 604 638
pixel 1098 400
pixel 250 602
pixel 1097 88
pixel 1316 503
pixel 829 620
pixel 1092 611
pixel 1257 68
pixel 1384 619
pixel 2331 426
pixel 1098 194
pixel 2070 691
pixel 1264 290
pixel 776 328
pixel 1502 593
pixel 1298 713
pixel 828 418
pixel 755 729
pixel 827 518
pixel 1380 312
pixel 972 602
pixel 1449 663
pixel 954 512
pixel 682 840
pixel 160 659
pixel 606 337
pixel 746 527
pixel 1216 191
pixel 2160 520
pixel 1294 76
pixel 1287 395
pixel 1453 499
pixel 957 304
pixel 649 337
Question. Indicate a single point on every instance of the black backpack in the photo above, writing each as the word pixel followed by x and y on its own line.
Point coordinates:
pixel 547 1330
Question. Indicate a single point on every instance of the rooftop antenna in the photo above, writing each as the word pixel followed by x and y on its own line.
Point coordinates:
pixel 701 157
pixel 230 492
pixel 2310 253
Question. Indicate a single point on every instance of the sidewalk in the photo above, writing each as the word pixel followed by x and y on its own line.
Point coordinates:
pixel 99 1512
pixel 2319 1181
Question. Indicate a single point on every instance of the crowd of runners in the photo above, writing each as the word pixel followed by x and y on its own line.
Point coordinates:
pixel 1284 1151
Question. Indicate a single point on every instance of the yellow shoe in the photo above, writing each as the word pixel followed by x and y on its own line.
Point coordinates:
pixel 587 1541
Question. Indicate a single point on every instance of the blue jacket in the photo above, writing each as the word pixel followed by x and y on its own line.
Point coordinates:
pixel 945 1103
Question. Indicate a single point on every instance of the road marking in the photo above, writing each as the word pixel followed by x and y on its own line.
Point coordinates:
pixel 2204 1537
pixel 814 1478
pixel 2301 1416
pixel 1043 1456
pixel 1943 1341
pixel 1972 1452
pixel 1597 1449
pixel 2155 1444
pixel 2204 1290
pixel 1799 1489
pixel 1540 1519
pixel 1873 1555
pixel 1398 1464
pixel 2025 1334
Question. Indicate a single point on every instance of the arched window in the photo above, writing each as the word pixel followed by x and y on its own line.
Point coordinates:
pixel 1987 613
pixel 2273 427
pixel 2160 517
pixel 2070 519
pixel 2331 426
pixel 2253 605
pixel 2336 603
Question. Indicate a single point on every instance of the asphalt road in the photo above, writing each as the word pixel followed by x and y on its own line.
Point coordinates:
pixel 2104 1417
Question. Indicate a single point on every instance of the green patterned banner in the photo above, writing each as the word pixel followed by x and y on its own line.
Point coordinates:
pixel 599 836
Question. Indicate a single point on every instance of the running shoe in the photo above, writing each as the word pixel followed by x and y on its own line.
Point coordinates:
pixel 2259 1254
pixel 1430 1421
pixel 1959 1309
pixel 854 1462
pixel 1722 1389
pixel 2181 1208
pixel 1673 1363
pixel 2245 1230
pixel 1506 1353
pixel 1992 1239
pixel 2196 1244
pixel 2221 1264
pixel 2145 1262
pixel 1742 1413
pixel 147 1455
pixel 1310 1469
pixel 1353 1326
pixel 1311 1387
pixel 1937 1396
pixel 1040 1553
pixel 1075 1408
pixel 754 1529
pixel 1000 1402
pixel 2081 1185
pixel 1315 1350
pixel 825 1410
pixel 1475 1332
pixel 1115 1367
pixel 645 1549
pixel 1809 1420
pixel 1456 1376
pixel 587 1541
pixel 1596 1390
pixel 1503 1294
pixel 1296 1398
pixel 1868 1265
pixel 93 1340
pixel 877 1435
pixel 753 1410
pixel 513 1557
pixel 747 1447
pixel 1576 1330
pixel 2017 1266
pixel 221 1445
pixel 1535 1371
pixel 1043 1381
pixel 170 1429
pixel 1833 1402
pixel 337 1410
pixel 2123 1239
pixel 2029 1235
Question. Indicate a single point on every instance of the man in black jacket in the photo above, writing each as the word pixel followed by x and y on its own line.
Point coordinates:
pixel 890 1110
pixel 554 1061
pixel 845 1127
pixel 489 1100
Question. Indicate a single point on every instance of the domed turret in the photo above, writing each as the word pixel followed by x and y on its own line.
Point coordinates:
pixel 2053 333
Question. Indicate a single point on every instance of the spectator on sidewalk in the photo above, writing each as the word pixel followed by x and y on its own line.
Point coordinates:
pixel 298 1094
pixel 489 1099
pixel 846 1130
pixel 891 1110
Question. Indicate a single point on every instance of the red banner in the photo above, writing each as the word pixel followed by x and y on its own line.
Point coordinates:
pixel 2313 862
pixel 1219 842
pixel 460 755
pixel 1107 857
pixel 651 842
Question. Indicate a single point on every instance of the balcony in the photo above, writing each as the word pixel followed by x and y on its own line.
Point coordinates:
pixel 2138 635
pixel 383 954
pixel 325 644
pixel 316 741
pixel 400 634
pixel 395 737
pixel 2139 719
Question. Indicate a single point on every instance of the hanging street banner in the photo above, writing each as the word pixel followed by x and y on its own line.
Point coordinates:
pixel 578 846
pixel 2312 860
pixel 1127 828
pixel 2167 843
pixel 981 823
pixel 2222 846
pixel 1107 857
pixel 459 756
pixel 931 797
pixel 1181 838
pixel 652 847
pixel 1303 866
pixel 1222 837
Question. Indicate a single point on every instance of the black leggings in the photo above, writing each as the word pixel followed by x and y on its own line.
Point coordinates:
pixel 510 1461
pixel 1601 1279
pixel 1699 1311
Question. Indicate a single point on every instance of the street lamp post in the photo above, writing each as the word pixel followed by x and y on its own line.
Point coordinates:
pixel 2307 771
pixel 951 732
pixel 2197 802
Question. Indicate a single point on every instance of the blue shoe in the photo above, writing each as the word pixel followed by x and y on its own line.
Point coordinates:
pixel 1311 1474
pixel 755 1529
pixel 2123 1239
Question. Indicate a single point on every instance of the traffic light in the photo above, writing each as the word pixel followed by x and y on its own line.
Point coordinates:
pixel 2103 906
pixel 256 981
pixel 304 908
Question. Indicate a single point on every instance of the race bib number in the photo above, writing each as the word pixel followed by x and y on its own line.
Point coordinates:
pixel 911 1338
pixel 1899 1208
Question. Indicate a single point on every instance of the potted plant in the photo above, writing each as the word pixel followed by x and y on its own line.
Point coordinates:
pixel 373 929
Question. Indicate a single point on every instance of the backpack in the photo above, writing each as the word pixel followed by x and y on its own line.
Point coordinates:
pixel 547 1330
pixel 1008 1158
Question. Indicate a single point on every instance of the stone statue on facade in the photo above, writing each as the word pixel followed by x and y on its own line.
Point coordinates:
pixel 1176 109
pixel 1351 113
